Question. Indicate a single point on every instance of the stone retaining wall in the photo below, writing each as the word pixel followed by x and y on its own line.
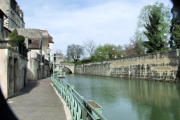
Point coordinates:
pixel 13 73
pixel 162 66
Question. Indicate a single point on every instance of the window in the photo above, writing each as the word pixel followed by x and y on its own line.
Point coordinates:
pixel 1 25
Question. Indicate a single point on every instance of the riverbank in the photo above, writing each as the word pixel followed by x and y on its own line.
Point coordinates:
pixel 164 66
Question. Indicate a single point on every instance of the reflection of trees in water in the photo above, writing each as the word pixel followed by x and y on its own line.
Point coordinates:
pixel 150 100
pixel 106 89
pixel 162 99
pixel 153 93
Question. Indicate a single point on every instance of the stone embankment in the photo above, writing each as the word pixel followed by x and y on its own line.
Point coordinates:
pixel 164 66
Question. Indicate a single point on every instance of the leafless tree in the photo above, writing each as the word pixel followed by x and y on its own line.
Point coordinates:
pixel 90 47
pixel 74 52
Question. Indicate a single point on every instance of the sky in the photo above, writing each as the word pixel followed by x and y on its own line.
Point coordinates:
pixel 78 21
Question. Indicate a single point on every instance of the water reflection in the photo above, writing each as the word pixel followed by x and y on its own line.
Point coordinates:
pixel 131 99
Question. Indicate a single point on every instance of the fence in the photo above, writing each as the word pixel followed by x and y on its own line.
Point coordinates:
pixel 80 108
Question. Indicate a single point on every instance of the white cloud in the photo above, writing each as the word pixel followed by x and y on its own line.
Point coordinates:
pixel 110 22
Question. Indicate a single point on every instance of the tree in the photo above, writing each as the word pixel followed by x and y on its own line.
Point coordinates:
pixel 74 52
pixel 175 22
pixel 90 47
pixel 163 12
pixel 156 26
pixel 108 51
pixel 135 47
pixel 175 38
pixel 16 40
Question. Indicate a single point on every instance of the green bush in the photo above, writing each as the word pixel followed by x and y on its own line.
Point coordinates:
pixel 89 60
pixel 16 40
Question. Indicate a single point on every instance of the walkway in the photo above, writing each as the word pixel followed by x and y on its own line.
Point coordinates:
pixel 38 101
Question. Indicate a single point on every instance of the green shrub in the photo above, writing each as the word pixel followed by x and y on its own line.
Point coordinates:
pixel 16 40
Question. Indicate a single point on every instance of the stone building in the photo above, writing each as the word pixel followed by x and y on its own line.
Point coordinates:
pixel 15 16
pixel 38 58
pixel 1 23
pixel 58 60
pixel 13 69
pixel 47 43
pixel 4 32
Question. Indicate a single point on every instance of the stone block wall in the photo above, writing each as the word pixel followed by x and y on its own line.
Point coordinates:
pixel 15 15
pixel 13 71
pixel 164 66
pixel 37 71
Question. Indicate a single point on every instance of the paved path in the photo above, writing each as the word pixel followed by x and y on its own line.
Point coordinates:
pixel 38 101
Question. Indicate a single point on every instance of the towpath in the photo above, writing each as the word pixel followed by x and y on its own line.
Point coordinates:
pixel 38 101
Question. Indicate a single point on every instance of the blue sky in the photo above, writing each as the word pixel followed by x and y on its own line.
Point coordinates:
pixel 77 21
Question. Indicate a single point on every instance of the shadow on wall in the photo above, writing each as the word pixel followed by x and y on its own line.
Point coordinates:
pixel 178 72
pixel 30 84
pixel 175 61
pixel 67 70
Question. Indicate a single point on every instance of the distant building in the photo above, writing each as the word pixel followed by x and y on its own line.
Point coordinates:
pixel 58 58
pixel 15 16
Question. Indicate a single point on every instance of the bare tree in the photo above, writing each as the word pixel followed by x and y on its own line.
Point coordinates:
pixel 90 47
pixel 74 52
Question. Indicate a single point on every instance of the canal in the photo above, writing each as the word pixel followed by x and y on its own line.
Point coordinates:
pixel 123 99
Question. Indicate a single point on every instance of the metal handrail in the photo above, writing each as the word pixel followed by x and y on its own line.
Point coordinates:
pixel 76 103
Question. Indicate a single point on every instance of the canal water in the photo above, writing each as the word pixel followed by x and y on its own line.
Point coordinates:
pixel 124 99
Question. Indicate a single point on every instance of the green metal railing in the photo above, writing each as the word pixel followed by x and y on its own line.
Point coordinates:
pixel 80 108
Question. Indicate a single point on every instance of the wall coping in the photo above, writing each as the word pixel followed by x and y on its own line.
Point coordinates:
pixel 133 56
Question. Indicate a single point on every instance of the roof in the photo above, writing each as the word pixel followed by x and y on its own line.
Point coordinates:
pixel 47 35
pixel 35 33
pixel 36 36
pixel 2 13
pixel 30 33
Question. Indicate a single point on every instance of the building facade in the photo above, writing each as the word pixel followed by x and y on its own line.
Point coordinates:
pixel 13 70
pixel 1 23
pixel 15 16
pixel 38 58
